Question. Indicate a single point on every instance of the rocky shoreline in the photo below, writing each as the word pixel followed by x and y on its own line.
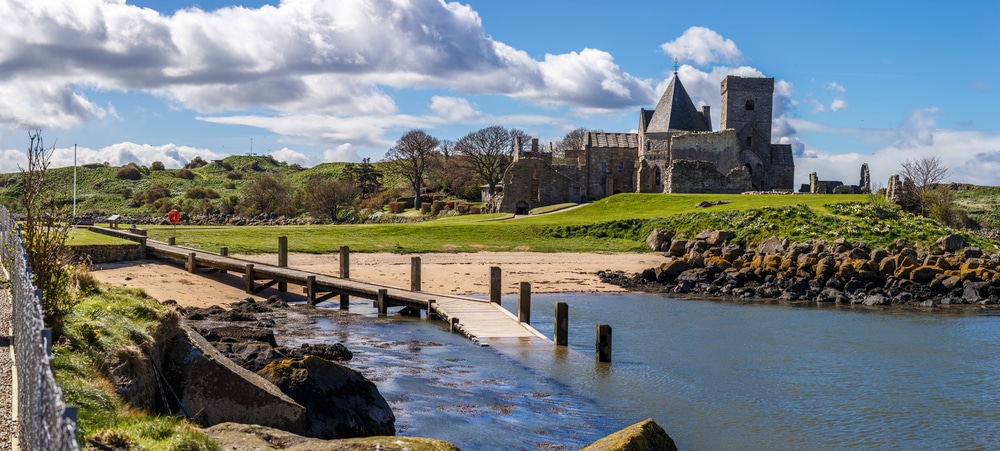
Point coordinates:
pixel 947 276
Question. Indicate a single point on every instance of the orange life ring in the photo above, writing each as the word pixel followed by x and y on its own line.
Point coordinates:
pixel 174 216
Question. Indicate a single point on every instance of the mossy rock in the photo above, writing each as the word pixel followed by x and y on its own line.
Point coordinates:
pixel 251 436
pixel 643 436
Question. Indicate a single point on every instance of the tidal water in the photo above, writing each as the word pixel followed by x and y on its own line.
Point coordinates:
pixel 715 375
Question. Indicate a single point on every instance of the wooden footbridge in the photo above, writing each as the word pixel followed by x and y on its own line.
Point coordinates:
pixel 477 319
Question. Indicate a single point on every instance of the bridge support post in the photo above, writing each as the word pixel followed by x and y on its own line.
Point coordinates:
pixel 430 309
pixel 454 325
pixel 345 262
pixel 524 303
pixel 603 343
pixel 561 327
pixel 495 284
pixel 383 306
pixel 282 260
pixel 311 290
pixel 223 252
pixel 249 278
pixel 191 266
pixel 345 301
pixel 414 273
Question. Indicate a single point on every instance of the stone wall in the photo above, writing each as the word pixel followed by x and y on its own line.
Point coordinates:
pixel 530 183
pixel 108 253
pixel 693 176
pixel 719 148
pixel 782 170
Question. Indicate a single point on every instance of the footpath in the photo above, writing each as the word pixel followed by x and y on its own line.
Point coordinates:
pixel 7 426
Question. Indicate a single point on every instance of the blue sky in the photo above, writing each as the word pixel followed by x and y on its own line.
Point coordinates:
pixel 314 80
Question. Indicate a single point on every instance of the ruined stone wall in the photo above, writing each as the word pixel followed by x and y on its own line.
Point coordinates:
pixel 531 183
pixel 693 176
pixel 719 148
pixel 782 169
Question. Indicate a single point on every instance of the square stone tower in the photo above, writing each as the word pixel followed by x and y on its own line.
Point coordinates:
pixel 747 104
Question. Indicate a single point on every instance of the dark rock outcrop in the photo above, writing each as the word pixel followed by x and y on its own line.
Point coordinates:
pixel 250 436
pixel 340 402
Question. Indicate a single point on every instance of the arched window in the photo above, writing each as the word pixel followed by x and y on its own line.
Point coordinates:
pixel 749 104
pixel 656 177
pixel 748 141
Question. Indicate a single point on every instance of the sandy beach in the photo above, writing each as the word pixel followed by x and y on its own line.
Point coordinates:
pixel 449 273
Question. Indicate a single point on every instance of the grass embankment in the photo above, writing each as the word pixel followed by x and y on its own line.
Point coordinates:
pixel 107 332
pixel 619 223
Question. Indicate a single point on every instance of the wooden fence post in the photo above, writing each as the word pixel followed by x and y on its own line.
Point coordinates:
pixel 561 327
pixel 249 276
pixel 414 273
pixel 223 252
pixel 524 303
pixel 191 265
pixel 495 284
pixel 171 241
pixel 603 343
pixel 345 262
pixel 345 301
pixel 383 306
pixel 311 290
pixel 282 260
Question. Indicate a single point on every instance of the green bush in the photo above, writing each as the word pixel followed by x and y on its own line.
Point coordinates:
pixel 200 192
pixel 128 172
pixel 185 174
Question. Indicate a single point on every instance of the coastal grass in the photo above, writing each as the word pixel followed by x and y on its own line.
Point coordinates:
pixel 619 223
pixel 84 237
pixel 110 327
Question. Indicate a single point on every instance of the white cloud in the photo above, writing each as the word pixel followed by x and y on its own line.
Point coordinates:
pixel 292 157
pixel 453 109
pixel 838 104
pixel 172 156
pixel 918 129
pixel 703 46
pixel 837 87
pixel 343 152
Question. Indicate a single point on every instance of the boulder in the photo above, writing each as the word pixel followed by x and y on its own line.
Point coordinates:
pixel 658 239
pixel 677 248
pixel 972 252
pixel 215 390
pixel 875 299
pixel 925 274
pixel 643 436
pixel 251 436
pixel 671 269
pixel 772 245
pixel 339 402
pixel 951 243
pixel 718 237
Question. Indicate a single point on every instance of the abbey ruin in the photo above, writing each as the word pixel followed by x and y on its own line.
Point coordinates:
pixel 674 151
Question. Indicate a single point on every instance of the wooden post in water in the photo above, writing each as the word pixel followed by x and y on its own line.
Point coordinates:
pixel 414 273
pixel 345 301
pixel 454 324
pixel 282 260
pixel 561 327
pixel 430 309
pixel 249 276
pixel 190 263
pixel 345 262
pixel 311 290
pixel 495 284
pixel 223 252
pixel 383 306
pixel 524 303
pixel 171 241
pixel 603 343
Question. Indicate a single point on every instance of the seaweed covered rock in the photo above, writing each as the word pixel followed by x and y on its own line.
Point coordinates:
pixel 339 402
pixel 642 436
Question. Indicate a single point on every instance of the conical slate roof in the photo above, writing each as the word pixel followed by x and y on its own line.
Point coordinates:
pixel 676 112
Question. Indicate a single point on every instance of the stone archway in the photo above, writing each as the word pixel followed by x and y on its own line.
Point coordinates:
pixel 522 208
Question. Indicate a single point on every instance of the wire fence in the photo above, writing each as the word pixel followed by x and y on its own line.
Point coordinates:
pixel 45 422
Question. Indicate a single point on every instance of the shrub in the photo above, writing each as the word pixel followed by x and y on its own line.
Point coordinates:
pixel 128 172
pixel 126 192
pixel 229 185
pixel 436 207
pixel 475 210
pixel 195 162
pixel 425 208
pixel 233 175
pixel 153 193
pixel 185 174
pixel 267 194
pixel 200 192
pixel 157 166
pixel 396 207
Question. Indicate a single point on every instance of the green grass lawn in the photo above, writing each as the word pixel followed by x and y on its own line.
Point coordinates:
pixel 619 223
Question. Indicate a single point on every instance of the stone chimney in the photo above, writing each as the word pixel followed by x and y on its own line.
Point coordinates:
pixel 517 148
pixel 534 145
pixel 705 111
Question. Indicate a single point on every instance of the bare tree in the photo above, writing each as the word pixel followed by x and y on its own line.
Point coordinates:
pixel 267 194
pixel 574 140
pixel 410 157
pixel 326 198
pixel 45 232
pixel 487 152
pixel 925 173
pixel 525 139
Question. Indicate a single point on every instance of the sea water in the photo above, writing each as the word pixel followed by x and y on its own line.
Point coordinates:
pixel 715 375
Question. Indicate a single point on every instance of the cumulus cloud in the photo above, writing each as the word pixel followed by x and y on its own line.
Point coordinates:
pixel 310 57
pixel 453 109
pixel 918 129
pixel 292 157
pixel 838 104
pixel 343 152
pixel 703 46
pixel 171 155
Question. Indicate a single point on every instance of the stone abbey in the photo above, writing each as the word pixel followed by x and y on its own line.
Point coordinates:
pixel 674 151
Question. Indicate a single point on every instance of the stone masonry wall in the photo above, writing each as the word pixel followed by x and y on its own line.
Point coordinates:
pixel 719 148
pixel 691 176
pixel 534 183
